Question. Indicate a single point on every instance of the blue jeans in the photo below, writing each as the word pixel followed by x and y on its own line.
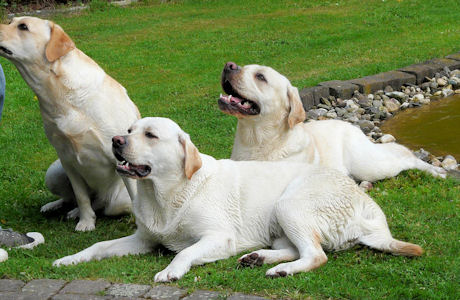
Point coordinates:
pixel 2 90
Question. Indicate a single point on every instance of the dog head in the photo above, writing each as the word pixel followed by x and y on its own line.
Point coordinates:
pixel 156 147
pixel 255 91
pixel 33 40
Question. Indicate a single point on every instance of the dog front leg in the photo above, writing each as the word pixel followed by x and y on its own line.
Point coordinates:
pixel 133 244
pixel 87 217
pixel 208 249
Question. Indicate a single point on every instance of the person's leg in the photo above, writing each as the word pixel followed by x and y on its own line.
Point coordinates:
pixel 2 91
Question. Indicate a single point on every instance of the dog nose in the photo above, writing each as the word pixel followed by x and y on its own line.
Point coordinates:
pixel 231 66
pixel 118 141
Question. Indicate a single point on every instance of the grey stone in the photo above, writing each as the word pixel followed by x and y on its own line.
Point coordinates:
pixel 388 89
pixel 9 238
pixel 11 285
pixel 387 138
pixel 455 56
pixel 339 88
pixel 340 111
pixel 127 290
pixel 398 95
pixel 22 296
pixel 316 113
pixel 203 295
pixel 85 287
pixel 164 292
pixel 43 288
pixel 373 83
pixel 310 96
pixel 239 296
pixel 80 297
pixel 392 105
pixel 422 154
pixel 430 68
pixel 449 163
pixel 365 125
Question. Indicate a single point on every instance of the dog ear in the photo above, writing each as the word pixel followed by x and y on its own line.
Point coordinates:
pixel 192 160
pixel 296 113
pixel 59 45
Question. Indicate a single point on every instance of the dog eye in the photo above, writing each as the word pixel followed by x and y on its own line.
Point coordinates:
pixel 261 77
pixel 23 26
pixel 129 130
pixel 150 135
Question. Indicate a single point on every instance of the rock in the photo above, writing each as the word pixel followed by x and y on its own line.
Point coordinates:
pixel 331 114
pixel 441 81
pixel 392 105
pixel 435 162
pixel 340 102
pixel 449 163
pixel 387 138
pixel 397 95
pixel 457 91
pixel 365 103
pixel 366 125
pixel 418 97
pixel 388 89
pixel 377 103
pixel 324 106
pixel 404 105
pixel 325 101
pixel 422 154
pixel 366 186
pixel 315 113
pixel 340 111
pixel 351 106
pixel 447 92
pixel 425 101
pixel 352 119
pixel 438 93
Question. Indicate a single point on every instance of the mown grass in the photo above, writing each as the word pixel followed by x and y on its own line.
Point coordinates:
pixel 169 57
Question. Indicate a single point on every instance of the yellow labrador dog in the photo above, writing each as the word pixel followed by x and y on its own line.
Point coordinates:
pixel 207 209
pixel 82 108
pixel 270 127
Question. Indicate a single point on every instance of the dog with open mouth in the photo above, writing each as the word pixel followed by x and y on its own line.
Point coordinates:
pixel 82 108
pixel 271 127
pixel 207 209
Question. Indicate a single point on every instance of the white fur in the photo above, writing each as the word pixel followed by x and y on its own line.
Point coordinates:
pixel 332 143
pixel 228 207
pixel 82 108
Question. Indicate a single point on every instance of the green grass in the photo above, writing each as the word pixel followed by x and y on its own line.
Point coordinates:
pixel 169 57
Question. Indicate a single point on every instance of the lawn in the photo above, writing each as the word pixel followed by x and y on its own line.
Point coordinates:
pixel 169 57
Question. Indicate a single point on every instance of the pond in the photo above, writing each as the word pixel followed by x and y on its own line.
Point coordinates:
pixel 434 127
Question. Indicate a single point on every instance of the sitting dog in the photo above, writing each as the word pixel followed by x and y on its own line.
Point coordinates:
pixel 82 108
pixel 209 209
pixel 270 127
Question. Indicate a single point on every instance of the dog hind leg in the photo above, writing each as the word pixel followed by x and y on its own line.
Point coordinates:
pixel 57 181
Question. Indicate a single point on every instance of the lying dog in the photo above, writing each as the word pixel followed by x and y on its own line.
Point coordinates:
pixel 270 127
pixel 82 108
pixel 209 209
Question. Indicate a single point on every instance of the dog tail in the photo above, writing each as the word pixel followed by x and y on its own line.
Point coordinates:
pixel 397 247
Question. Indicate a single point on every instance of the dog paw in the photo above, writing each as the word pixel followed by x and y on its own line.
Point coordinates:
pixel 73 214
pixel 168 275
pixel 281 270
pixel 52 206
pixel 251 260
pixel 85 225
pixel 68 260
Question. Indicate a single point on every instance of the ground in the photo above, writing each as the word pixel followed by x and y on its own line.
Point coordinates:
pixel 169 57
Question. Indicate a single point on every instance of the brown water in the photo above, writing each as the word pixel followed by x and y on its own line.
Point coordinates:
pixel 434 127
